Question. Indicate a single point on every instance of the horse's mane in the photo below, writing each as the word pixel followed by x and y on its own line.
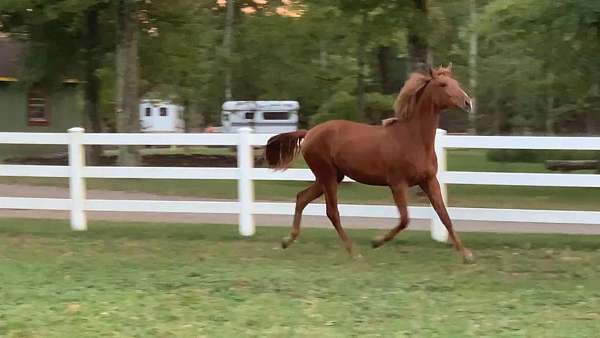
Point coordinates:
pixel 406 102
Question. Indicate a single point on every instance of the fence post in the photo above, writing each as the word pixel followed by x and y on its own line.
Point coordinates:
pixel 76 179
pixel 245 156
pixel 438 230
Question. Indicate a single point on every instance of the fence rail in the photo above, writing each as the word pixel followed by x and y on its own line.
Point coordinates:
pixel 245 174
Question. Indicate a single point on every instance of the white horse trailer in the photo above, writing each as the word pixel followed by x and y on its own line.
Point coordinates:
pixel 269 117
pixel 161 116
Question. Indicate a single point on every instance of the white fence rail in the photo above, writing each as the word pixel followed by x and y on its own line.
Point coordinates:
pixel 246 207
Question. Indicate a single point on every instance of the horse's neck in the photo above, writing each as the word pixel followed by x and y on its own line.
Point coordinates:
pixel 425 122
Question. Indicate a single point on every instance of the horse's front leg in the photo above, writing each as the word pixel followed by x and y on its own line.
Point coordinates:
pixel 399 191
pixel 431 187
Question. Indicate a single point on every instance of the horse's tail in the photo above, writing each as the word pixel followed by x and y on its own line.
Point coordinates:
pixel 283 148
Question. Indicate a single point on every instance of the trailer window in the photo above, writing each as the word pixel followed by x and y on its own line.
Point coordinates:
pixel 163 111
pixel 249 116
pixel 276 115
pixel 148 111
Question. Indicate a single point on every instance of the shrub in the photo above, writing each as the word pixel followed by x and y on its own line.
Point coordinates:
pixel 532 156
pixel 340 105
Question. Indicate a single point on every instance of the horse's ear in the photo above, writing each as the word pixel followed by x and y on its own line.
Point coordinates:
pixel 449 67
pixel 430 71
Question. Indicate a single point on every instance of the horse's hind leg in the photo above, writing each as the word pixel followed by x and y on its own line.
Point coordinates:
pixel 302 200
pixel 399 192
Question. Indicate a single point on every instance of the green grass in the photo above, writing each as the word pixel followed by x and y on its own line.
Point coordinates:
pixel 459 195
pixel 475 160
pixel 152 280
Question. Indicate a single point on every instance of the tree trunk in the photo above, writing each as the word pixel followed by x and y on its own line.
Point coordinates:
pixel 360 58
pixel 567 166
pixel 501 126
pixel 383 57
pixel 473 54
pixel 418 45
pixel 323 55
pixel 592 111
pixel 127 79
pixel 227 48
pixel 549 118
pixel 590 122
pixel 92 83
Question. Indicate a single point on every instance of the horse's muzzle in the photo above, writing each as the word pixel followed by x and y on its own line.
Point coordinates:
pixel 468 105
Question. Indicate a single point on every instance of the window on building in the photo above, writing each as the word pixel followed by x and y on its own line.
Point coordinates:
pixel 276 115
pixel 37 109
pixel 163 111
pixel 148 111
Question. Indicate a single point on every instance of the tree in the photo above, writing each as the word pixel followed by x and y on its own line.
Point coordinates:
pixel 92 65
pixel 227 47
pixel 473 55
pixel 551 47
pixel 127 77
pixel 419 53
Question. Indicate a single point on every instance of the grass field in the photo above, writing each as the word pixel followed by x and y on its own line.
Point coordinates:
pixel 459 195
pixel 150 280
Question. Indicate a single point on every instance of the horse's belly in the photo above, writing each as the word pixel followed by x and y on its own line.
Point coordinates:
pixel 368 179
pixel 361 162
pixel 372 173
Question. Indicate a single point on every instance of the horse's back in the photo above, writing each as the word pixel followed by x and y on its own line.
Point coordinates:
pixel 352 148
pixel 332 132
pixel 342 126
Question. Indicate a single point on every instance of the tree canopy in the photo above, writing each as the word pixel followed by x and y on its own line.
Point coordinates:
pixel 536 60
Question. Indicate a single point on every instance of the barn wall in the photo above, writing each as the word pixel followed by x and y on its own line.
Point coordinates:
pixel 66 107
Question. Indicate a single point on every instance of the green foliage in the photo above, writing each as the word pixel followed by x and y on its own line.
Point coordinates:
pixel 340 105
pixel 537 70
pixel 542 54
pixel 378 107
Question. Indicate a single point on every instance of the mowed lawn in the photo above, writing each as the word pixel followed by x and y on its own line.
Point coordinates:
pixel 153 280
pixel 459 195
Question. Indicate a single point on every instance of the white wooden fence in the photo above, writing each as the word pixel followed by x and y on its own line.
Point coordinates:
pixel 246 207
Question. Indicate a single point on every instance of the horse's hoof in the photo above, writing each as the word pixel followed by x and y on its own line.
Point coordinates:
pixel 377 242
pixel 286 242
pixel 357 257
pixel 468 257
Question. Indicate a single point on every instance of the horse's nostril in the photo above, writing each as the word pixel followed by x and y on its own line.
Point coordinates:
pixel 468 103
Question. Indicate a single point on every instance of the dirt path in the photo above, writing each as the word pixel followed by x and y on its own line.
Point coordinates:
pixel 18 190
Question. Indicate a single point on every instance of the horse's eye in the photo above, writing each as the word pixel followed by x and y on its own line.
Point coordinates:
pixel 443 84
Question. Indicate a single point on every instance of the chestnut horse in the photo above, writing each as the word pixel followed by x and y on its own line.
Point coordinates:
pixel 399 154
